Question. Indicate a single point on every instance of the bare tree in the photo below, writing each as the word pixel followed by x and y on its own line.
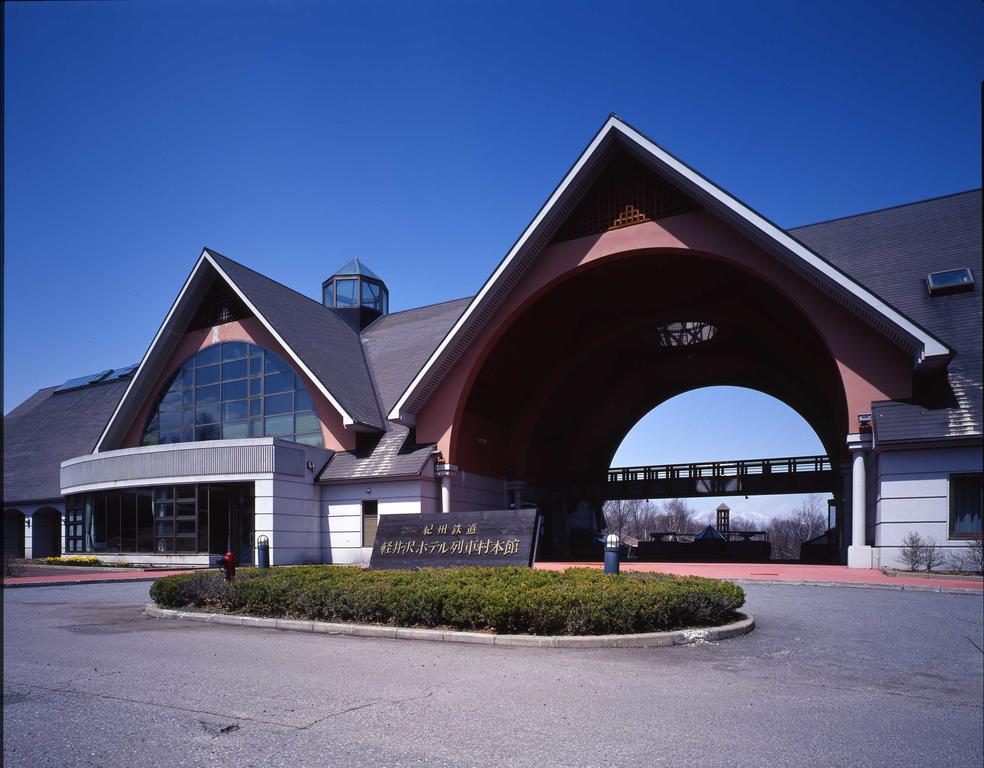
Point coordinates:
pixel 788 533
pixel 674 515
pixel 740 523
pixel 911 553
pixel 969 558
pixel 933 555
pixel 621 515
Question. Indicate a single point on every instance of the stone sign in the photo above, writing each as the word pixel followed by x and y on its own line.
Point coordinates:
pixel 490 538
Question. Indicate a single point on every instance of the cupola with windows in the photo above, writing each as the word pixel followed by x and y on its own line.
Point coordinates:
pixel 357 293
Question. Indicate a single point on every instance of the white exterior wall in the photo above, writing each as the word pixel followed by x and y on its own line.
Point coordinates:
pixel 912 494
pixel 341 536
pixel 288 511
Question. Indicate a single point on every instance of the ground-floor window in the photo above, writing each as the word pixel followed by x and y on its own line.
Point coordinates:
pixel 965 505
pixel 167 519
pixel 74 523
pixel 370 518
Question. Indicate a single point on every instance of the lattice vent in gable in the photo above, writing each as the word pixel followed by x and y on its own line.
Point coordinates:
pixel 625 193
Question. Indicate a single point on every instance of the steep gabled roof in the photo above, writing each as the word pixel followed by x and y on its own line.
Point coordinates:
pixel 324 344
pixel 892 251
pixel 48 428
pixel 927 350
pixel 313 337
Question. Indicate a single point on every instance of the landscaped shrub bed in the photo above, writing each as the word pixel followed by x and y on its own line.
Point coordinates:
pixel 579 601
pixel 87 560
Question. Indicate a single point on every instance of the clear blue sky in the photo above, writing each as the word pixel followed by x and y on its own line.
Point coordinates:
pixel 422 137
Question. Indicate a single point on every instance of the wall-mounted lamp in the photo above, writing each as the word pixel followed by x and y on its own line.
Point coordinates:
pixel 369 490
pixel 864 422
pixel 482 441
pixel 310 466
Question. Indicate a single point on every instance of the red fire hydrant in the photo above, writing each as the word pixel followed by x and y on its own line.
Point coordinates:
pixel 229 564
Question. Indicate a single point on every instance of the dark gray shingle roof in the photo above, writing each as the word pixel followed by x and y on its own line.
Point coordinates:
pixel 48 428
pixel 397 346
pixel 890 252
pixel 394 455
pixel 319 337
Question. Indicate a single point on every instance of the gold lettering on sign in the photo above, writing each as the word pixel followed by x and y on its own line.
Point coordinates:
pixel 474 547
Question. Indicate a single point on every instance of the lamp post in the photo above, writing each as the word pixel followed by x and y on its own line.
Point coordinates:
pixel 611 553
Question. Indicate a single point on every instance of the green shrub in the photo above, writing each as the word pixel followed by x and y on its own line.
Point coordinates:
pixel 508 600
pixel 90 560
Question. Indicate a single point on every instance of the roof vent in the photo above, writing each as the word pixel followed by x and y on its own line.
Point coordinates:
pixel 950 281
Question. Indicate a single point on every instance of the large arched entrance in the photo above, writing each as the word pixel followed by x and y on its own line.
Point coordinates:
pixel 46 533
pixel 13 533
pixel 637 281
pixel 730 457
pixel 588 357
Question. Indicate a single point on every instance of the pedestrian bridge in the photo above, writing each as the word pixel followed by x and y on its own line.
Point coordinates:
pixel 744 477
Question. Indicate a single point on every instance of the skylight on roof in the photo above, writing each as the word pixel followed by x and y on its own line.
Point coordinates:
pixel 121 373
pixel 950 281
pixel 110 374
pixel 83 381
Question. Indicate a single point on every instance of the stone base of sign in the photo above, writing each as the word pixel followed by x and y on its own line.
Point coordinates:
pixel 641 640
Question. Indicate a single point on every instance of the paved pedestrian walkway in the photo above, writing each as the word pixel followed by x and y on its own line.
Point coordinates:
pixel 792 573
pixel 100 576
pixel 834 575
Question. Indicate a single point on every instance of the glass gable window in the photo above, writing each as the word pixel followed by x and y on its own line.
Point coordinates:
pixel 234 390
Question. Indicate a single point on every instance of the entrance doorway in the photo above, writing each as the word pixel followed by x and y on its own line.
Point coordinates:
pixel 46 533
pixel 232 527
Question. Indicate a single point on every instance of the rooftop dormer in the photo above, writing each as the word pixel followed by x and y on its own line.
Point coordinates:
pixel 357 293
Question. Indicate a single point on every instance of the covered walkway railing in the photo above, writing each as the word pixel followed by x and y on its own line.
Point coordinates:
pixel 787 474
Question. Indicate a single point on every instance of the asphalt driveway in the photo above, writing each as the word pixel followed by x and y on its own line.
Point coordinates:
pixel 830 677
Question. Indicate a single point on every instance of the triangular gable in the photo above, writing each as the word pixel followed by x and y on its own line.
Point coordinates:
pixel 927 350
pixel 333 358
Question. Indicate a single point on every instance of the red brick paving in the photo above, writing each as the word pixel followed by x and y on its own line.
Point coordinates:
pixel 87 578
pixel 839 574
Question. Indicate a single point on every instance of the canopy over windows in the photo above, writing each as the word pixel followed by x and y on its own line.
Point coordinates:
pixel 234 390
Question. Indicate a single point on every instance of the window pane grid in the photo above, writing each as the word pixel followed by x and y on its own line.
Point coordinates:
pixel 234 390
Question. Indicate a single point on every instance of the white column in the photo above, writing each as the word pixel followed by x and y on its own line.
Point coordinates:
pixel 446 472
pixel 859 555
pixel 28 537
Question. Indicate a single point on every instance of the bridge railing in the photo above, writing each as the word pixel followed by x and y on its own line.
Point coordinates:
pixel 741 468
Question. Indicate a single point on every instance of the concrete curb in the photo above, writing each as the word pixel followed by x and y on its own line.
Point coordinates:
pixel 860 585
pixel 643 640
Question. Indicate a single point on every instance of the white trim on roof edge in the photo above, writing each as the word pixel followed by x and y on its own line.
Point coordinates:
pixel 931 348
pixel 153 343
pixel 347 420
